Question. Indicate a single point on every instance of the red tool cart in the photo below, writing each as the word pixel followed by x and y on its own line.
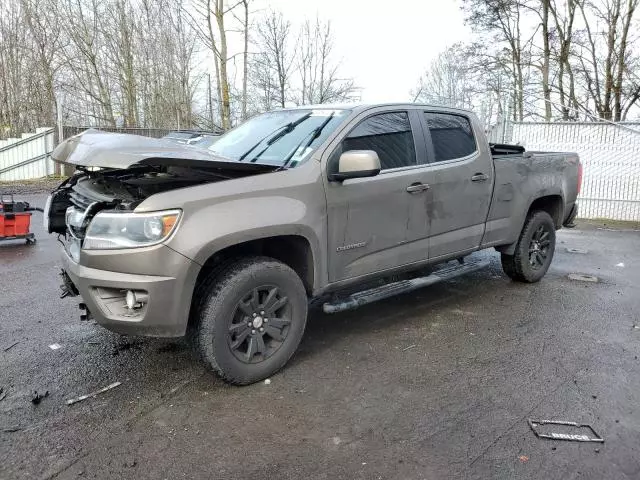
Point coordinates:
pixel 15 219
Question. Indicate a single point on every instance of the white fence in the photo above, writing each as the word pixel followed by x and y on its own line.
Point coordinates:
pixel 27 157
pixel 610 155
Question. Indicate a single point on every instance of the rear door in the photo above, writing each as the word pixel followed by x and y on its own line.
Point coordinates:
pixel 460 180
pixel 374 223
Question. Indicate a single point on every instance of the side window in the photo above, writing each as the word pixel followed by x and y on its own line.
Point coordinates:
pixel 451 135
pixel 389 135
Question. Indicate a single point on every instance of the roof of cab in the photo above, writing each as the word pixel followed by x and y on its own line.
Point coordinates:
pixel 358 107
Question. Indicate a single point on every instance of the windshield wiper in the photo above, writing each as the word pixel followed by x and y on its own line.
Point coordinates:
pixel 274 136
pixel 315 133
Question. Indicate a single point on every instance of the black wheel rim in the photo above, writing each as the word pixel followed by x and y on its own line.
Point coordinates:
pixel 260 324
pixel 539 247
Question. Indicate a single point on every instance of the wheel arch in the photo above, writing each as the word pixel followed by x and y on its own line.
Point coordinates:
pixel 292 250
pixel 552 204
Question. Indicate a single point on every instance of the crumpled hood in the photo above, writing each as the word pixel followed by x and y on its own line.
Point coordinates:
pixel 94 148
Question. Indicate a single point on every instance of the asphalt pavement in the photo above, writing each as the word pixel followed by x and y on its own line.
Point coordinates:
pixel 435 384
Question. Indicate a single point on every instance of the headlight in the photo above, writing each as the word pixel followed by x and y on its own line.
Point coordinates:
pixel 109 230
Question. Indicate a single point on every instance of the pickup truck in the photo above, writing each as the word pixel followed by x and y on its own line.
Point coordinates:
pixel 333 205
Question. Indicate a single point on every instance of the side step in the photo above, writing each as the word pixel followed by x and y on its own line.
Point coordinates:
pixel 403 286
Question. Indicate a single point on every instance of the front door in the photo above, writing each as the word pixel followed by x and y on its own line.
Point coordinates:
pixel 461 184
pixel 374 224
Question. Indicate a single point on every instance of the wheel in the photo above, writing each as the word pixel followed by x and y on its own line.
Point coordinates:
pixel 31 240
pixel 249 318
pixel 534 250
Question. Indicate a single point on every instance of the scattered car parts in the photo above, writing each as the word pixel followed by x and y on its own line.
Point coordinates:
pixel 577 437
pixel 93 394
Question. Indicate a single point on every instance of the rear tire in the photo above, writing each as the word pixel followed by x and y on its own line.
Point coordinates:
pixel 232 335
pixel 534 250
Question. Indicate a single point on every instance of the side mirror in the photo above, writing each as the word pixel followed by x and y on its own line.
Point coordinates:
pixel 356 164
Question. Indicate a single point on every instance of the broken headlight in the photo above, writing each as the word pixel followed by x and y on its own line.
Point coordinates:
pixel 111 230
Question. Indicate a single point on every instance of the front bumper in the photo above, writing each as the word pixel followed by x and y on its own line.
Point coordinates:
pixel 166 312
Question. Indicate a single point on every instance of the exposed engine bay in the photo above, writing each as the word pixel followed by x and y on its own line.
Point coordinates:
pixel 89 191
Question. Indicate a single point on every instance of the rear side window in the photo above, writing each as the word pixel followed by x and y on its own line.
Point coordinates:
pixel 389 135
pixel 451 135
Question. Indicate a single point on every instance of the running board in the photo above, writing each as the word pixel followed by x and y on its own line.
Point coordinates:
pixel 403 286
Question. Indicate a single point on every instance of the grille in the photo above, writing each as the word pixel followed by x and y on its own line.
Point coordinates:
pixel 80 201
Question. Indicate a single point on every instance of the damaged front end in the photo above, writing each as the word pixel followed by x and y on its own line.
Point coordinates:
pixel 117 172
pixel 95 208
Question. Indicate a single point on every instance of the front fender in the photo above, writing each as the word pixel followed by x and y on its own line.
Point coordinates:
pixel 209 229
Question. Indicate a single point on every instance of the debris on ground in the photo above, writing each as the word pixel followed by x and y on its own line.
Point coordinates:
pixel 3 393
pixel 121 347
pixel 55 346
pixel 176 388
pixel 36 397
pixel 583 277
pixel 93 394
pixel 11 346
pixel 636 327
pixel 621 265
pixel 409 348
pixel 572 437
pixel 267 381
pixel 523 459
pixel 11 429
pixel 577 250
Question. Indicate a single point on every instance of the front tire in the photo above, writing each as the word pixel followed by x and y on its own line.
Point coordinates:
pixel 534 250
pixel 250 316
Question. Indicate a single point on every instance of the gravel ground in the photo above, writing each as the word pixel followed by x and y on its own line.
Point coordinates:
pixel 436 384
pixel 30 187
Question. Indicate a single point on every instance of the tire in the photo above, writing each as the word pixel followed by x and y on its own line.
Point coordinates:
pixel 224 307
pixel 525 264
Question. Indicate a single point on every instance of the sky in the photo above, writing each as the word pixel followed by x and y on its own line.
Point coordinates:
pixel 384 45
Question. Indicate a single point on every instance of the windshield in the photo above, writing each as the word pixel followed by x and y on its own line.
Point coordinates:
pixel 282 138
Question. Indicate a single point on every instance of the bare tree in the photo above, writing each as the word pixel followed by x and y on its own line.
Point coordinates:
pixel 245 57
pixel 564 22
pixel 447 81
pixel 139 63
pixel 318 71
pixel 465 76
pixel 276 56
pixel 502 20
pixel 214 34
pixel 605 80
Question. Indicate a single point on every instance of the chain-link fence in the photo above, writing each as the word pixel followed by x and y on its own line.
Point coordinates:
pixel 610 155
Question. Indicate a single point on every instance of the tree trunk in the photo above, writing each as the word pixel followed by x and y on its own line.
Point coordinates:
pixel 546 55
pixel 245 58
pixel 225 107
pixel 617 86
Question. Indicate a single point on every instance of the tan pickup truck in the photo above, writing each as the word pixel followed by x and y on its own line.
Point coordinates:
pixel 229 244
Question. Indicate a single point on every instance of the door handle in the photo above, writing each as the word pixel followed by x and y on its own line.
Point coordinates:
pixel 480 177
pixel 417 187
